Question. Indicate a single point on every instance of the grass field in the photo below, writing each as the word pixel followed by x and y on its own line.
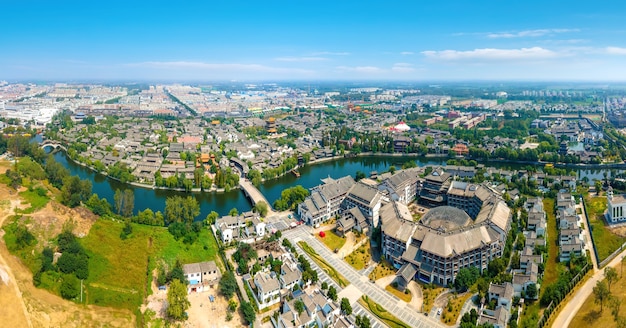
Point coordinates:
pixel 35 200
pixel 28 254
pixel 382 270
pixel 551 273
pixel 119 269
pixel 382 314
pixel 360 257
pixel 606 242
pixel 331 240
pixel 336 276
pixel 401 295
pixel 451 312
pixel 589 314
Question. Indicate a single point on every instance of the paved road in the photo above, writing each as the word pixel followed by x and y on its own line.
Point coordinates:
pixel 255 194
pixel 568 312
pixel 391 303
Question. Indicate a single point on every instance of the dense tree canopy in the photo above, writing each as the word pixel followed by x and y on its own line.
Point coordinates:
pixel 181 209
pixel 466 278
pixel 290 198
pixel 177 300
pixel 228 284
pixel 75 191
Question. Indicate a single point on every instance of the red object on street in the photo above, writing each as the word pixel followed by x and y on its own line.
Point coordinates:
pixel 322 234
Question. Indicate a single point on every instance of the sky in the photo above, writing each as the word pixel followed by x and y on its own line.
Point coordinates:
pixel 313 40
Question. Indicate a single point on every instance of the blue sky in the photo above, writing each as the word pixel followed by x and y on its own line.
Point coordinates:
pixel 313 40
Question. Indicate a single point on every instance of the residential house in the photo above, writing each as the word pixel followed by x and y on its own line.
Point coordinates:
pixel 201 275
pixel 267 288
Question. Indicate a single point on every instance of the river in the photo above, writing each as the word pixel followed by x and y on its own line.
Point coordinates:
pixel 311 176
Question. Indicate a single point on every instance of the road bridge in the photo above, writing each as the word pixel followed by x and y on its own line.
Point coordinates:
pixel 254 195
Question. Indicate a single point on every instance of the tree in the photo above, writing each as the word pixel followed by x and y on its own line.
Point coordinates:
pixel 346 308
pixel 228 284
pixel 324 285
pixel 248 312
pixel 181 209
pixel 392 169
pixel 598 185
pixel 332 293
pixel 75 191
pixel 211 217
pixel 360 175
pixel 177 273
pixel 129 203
pixel 531 291
pixel 118 198
pixel 177 300
pixel 261 208
pixel 465 278
pixel 495 267
pixel 299 305
pixel 615 303
pixel 364 322
pixel 233 212
pixel 70 287
pixel 290 198
pixel 601 293
pixel 611 276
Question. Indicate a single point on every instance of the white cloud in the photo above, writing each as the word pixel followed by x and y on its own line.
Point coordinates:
pixel 402 67
pixel 492 54
pixel 300 59
pixel 615 51
pixel 360 69
pixel 330 53
pixel 406 53
pixel 529 33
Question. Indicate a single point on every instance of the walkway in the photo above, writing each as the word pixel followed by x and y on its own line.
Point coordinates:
pixel 568 312
pixel 391 303
pixel 255 195
pixel 587 235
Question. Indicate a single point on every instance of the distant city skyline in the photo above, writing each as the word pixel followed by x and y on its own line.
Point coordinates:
pixel 321 40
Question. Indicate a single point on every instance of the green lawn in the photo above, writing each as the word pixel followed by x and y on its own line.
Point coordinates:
pixel 360 257
pixel 606 242
pixel 382 314
pixel 551 272
pixel 331 240
pixel 119 269
pixel 336 276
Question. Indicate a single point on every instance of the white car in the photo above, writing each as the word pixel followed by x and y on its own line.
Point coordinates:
pixel 439 311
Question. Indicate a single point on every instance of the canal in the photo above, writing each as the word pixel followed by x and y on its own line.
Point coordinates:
pixel 311 176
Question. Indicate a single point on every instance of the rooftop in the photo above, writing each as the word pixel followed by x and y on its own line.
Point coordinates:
pixel 446 218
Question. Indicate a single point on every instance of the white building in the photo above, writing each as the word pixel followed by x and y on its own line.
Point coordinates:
pixel 201 275
pixel 616 207
pixel 267 289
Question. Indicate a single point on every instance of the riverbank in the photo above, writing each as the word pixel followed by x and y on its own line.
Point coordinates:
pixel 153 187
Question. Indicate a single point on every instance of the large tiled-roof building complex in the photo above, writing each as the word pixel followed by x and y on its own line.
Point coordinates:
pixel 467 228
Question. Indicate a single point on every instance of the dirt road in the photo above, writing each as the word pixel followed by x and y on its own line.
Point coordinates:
pixel 15 313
